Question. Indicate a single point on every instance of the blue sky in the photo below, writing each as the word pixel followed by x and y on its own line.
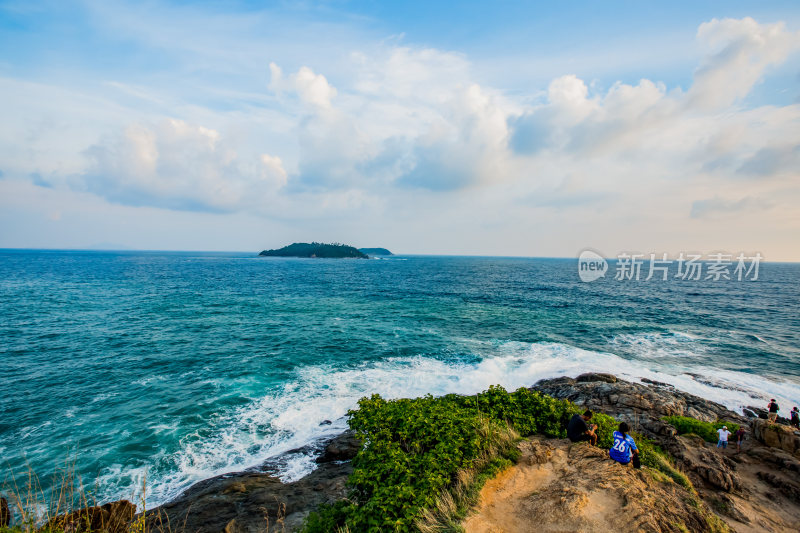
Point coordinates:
pixel 505 128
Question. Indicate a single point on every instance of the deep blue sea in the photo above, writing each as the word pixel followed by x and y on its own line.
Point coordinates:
pixel 180 366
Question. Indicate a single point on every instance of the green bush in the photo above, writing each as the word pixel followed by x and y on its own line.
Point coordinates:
pixel 706 430
pixel 531 412
pixel 413 450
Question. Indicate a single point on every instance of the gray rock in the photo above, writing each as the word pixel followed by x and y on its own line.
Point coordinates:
pixel 641 405
pixel 789 488
pixel 251 502
pixel 704 465
pixel 778 435
pixel 257 500
pixel 341 448
pixel 112 517
pixel 596 376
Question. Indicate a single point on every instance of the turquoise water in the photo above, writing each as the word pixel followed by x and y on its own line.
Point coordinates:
pixel 180 366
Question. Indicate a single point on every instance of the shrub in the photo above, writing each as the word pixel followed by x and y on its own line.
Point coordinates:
pixel 414 449
pixel 706 430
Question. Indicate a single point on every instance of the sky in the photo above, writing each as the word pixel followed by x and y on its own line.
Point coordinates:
pixel 470 128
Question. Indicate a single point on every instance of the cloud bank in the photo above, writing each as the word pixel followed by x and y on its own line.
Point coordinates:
pixel 402 128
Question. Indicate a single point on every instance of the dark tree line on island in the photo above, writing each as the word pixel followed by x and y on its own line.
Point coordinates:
pixel 322 250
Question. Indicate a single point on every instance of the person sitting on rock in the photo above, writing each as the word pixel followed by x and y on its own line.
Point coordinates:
pixel 723 437
pixel 796 417
pixel 773 410
pixel 624 446
pixel 578 430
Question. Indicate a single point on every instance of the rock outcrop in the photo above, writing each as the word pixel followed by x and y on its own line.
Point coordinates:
pixel 779 436
pixel 341 448
pixel 755 490
pixel 641 405
pixel 711 467
pixel 559 486
pixel 112 517
pixel 251 502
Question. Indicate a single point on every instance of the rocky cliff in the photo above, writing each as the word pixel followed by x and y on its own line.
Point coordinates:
pixel 577 488
pixel 559 486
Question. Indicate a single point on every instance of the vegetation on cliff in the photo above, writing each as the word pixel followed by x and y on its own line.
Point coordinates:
pixel 316 249
pixel 708 431
pixel 416 450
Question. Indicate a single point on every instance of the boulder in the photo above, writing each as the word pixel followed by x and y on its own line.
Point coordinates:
pixel 775 457
pixel 757 412
pixel 596 376
pixel 251 502
pixel 704 465
pixel 112 517
pixel 341 448
pixel 778 436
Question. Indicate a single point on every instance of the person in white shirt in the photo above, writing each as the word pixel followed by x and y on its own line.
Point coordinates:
pixel 723 437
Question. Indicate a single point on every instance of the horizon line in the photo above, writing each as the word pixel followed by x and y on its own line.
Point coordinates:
pixel 162 250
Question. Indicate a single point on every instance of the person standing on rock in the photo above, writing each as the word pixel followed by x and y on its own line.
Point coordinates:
pixel 773 410
pixel 739 438
pixel 578 430
pixel 624 446
pixel 723 437
pixel 796 418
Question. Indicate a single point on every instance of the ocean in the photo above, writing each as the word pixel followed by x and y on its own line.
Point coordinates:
pixel 174 367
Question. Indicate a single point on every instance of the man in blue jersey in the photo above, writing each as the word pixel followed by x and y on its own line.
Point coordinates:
pixel 624 446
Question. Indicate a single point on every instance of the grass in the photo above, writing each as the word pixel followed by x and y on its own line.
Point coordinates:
pixel 714 523
pixel 453 504
pixel 66 507
pixel 657 459
pixel 686 425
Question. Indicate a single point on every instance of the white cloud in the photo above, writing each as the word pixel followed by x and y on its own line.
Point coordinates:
pixel 738 54
pixel 313 89
pixel 411 117
pixel 180 166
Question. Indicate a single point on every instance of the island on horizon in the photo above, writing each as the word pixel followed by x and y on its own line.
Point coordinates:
pixel 316 249
pixel 375 251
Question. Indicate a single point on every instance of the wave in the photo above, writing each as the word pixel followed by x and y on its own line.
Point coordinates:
pixel 298 412
pixel 659 344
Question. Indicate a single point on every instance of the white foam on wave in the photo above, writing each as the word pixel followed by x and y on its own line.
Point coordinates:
pixel 731 388
pixel 659 344
pixel 294 414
